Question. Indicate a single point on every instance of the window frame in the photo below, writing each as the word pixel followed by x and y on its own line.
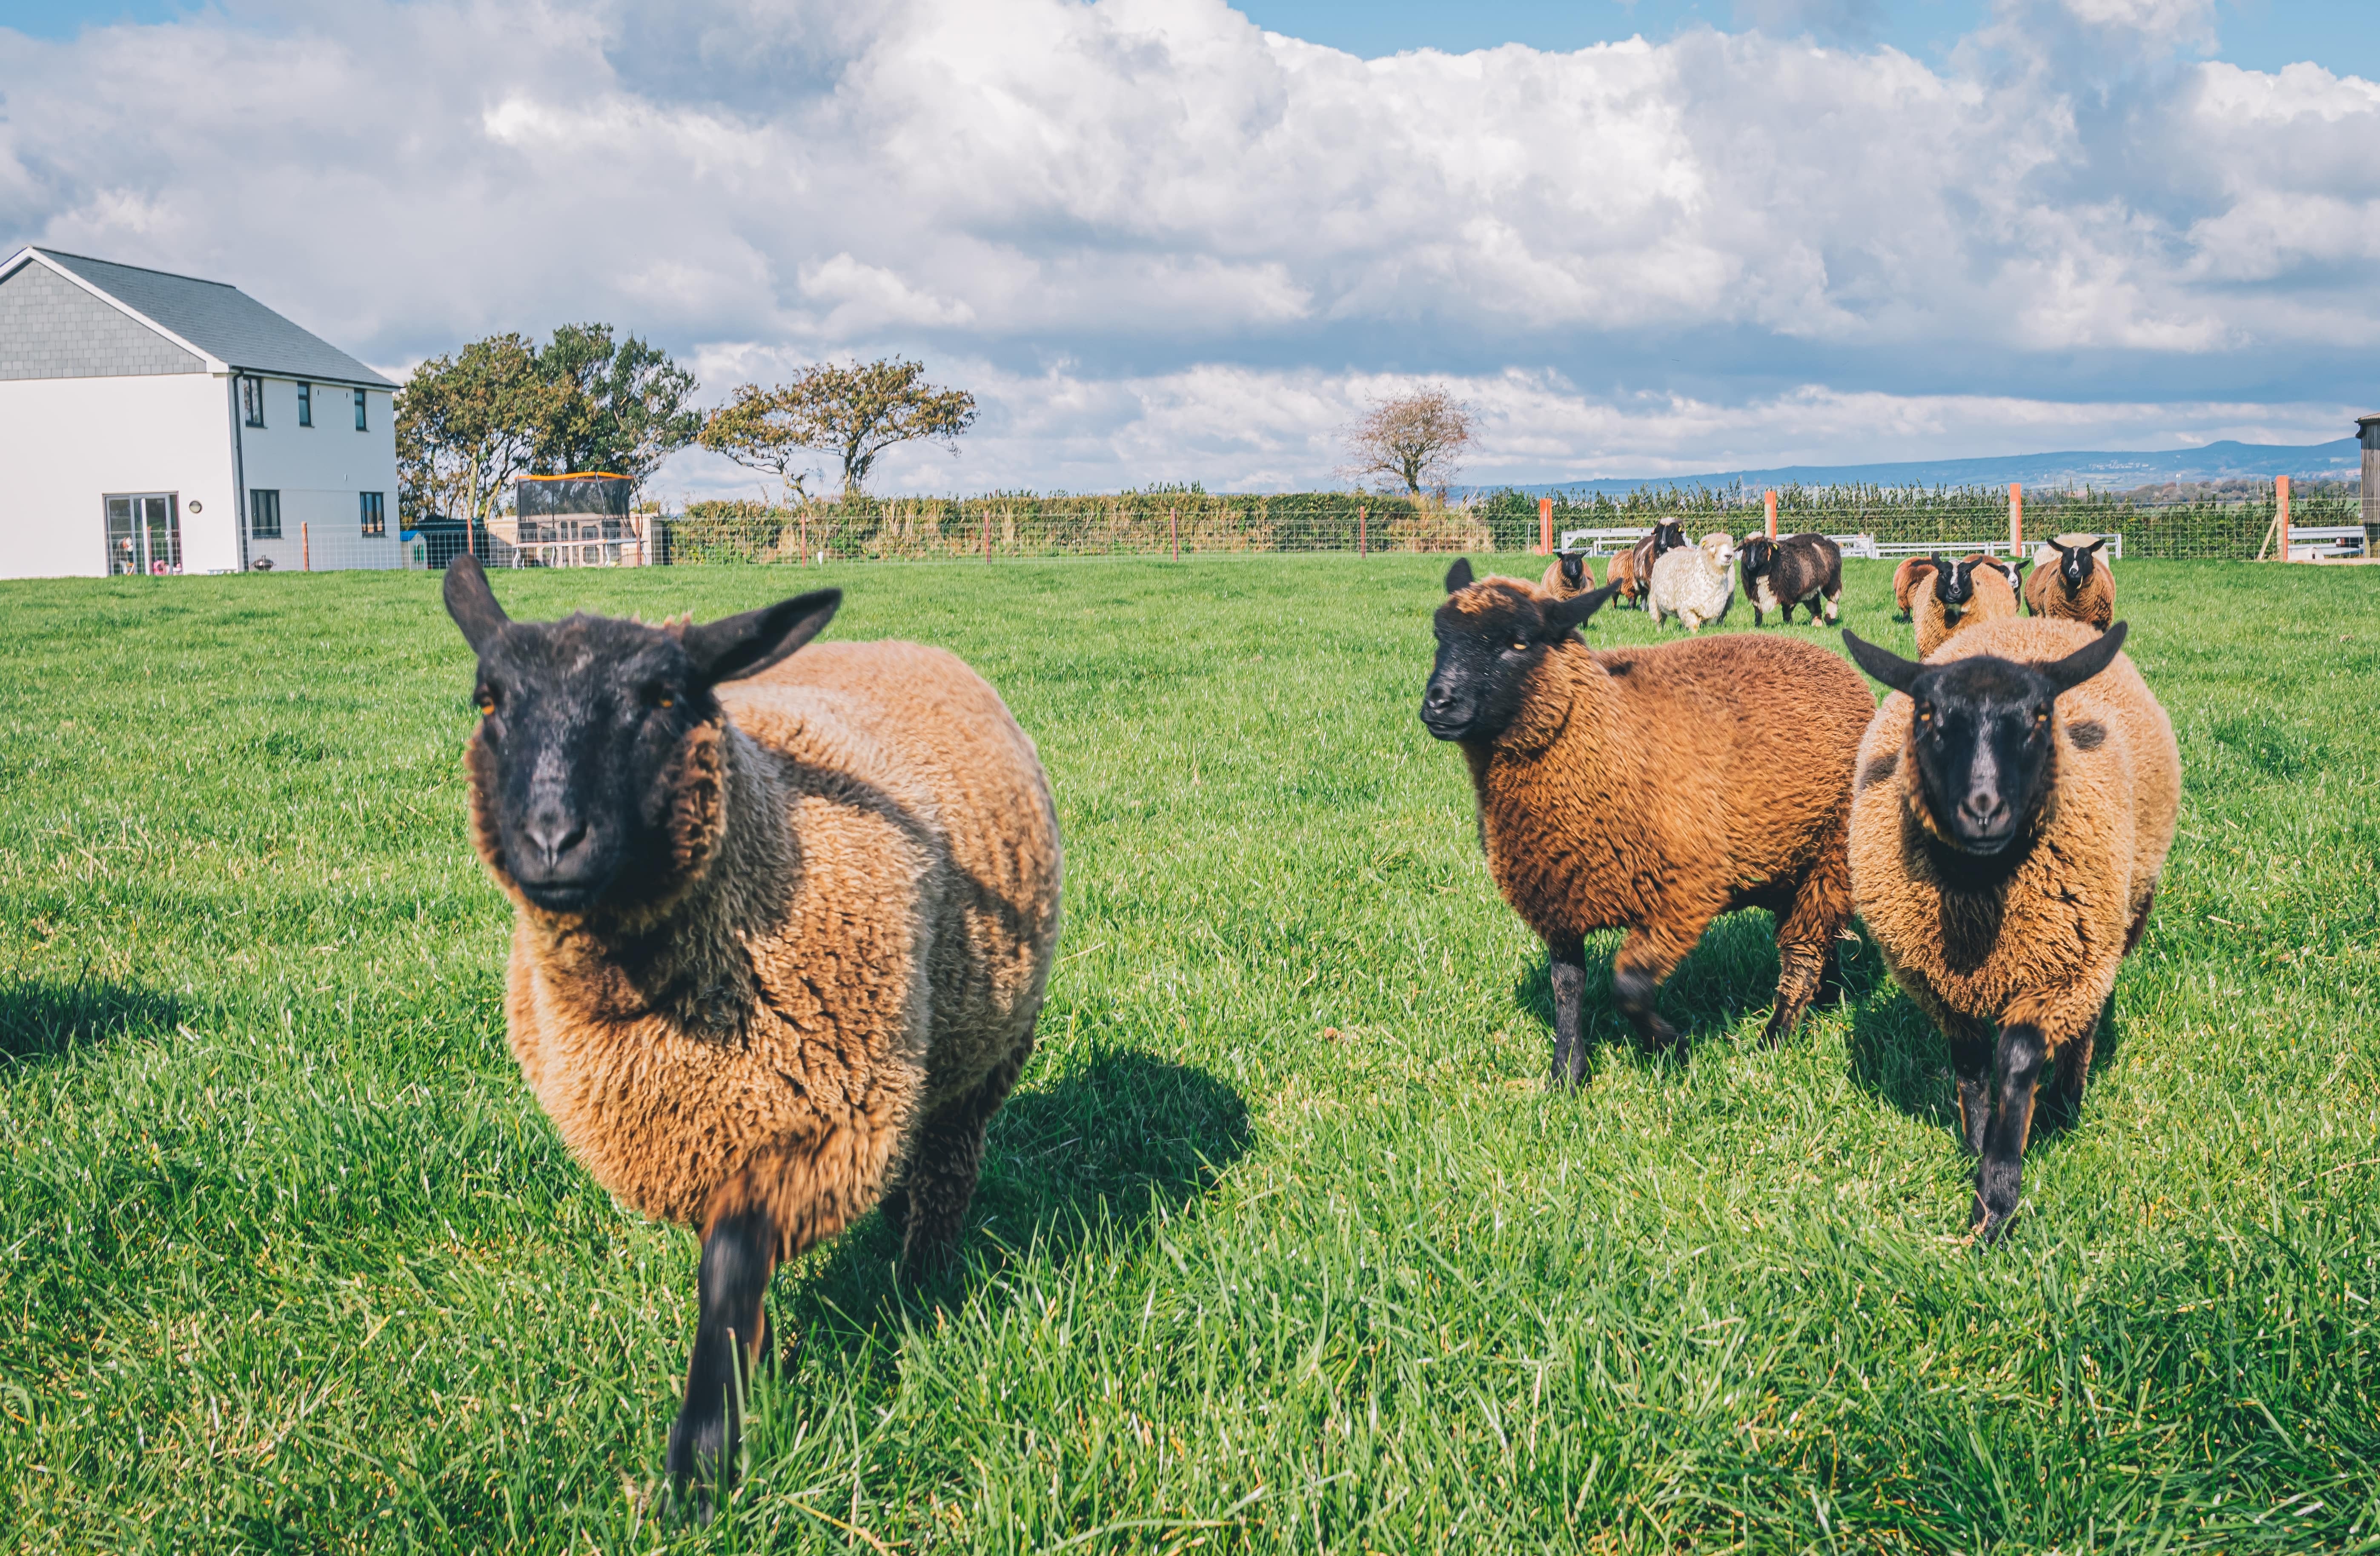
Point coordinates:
pixel 263 497
pixel 304 404
pixel 252 400
pixel 371 513
pixel 361 402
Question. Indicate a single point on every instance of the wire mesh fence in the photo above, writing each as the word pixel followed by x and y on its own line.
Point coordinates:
pixel 2230 526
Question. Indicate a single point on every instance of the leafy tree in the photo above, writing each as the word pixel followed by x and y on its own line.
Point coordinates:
pixel 467 424
pixel 1418 439
pixel 617 406
pixel 760 431
pixel 854 412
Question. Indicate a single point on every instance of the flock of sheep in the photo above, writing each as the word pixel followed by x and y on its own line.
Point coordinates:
pixel 784 919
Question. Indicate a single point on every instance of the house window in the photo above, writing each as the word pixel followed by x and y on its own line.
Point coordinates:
pixel 263 514
pixel 305 404
pixel 252 401
pixel 375 515
pixel 359 412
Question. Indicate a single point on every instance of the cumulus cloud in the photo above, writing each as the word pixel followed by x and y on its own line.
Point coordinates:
pixel 1161 243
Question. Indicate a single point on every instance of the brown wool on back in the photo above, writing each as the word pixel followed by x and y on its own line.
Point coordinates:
pixel 861 945
pixel 1913 573
pixel 1560 588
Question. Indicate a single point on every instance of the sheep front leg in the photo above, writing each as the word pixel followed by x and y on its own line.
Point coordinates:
pixel 739 1254
pixel 1567 963
pixel 2016 1071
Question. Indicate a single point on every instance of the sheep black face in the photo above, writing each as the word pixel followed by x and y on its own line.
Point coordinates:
pixel 1668 536
pixel 584 725
pixel 1983 734
pixel 1757 555
pixel 1490 636
pixel 1574 567
pixel 1954 582
pixel 2075 562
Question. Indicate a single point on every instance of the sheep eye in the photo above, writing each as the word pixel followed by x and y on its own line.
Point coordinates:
pixel 1520 648
pixel 659 695
pixel 486 701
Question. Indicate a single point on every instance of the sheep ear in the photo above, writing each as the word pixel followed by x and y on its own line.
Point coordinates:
pixel 1565 614
pixel 735 646
pixel 472 603
pixel 1458 578
pixel 2097 544
pixel 1936 563
pixel 1883 663
pixel 2086 661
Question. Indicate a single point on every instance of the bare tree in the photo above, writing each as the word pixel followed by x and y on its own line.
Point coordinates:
pixel 1417 438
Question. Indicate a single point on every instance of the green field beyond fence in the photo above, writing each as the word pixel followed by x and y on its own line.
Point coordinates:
pixel 1282 1246
pixel 1197 523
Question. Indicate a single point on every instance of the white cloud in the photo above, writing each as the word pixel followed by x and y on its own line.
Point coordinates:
pixel 1161 243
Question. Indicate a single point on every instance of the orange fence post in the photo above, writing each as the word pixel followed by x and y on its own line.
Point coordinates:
pixel 1363 530
pixel 1770 503
pixel 2016 519
pixel 1544 527
pixel 306 547
pixel 2281 511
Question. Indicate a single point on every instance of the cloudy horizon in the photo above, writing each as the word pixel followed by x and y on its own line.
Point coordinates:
pixel 1162 244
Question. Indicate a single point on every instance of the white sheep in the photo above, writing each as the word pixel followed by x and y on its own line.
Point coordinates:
pixel 1694 583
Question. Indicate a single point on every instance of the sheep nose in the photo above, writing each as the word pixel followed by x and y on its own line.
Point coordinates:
pixel 554 836
pixel 1985 809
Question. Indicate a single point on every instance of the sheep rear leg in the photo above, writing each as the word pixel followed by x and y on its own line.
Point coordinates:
pixel 1638 969
pixel 943 1166
pixel 739 1254
pixel 1567 964
pixel 1805 940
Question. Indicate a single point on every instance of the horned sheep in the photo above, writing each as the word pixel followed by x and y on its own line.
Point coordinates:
pixel 2071 580
pixel 1648 788
pixel 1694 583
pixel 1568 573
pixel 2017 797
pixel 782 925
pixel 1962 593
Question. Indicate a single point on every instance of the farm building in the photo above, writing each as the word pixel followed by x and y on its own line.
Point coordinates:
pixel 159 423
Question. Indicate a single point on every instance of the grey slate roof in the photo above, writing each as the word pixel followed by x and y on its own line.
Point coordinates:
pixel 220 319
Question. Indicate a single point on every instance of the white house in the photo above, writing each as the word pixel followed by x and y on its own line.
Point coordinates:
pixel 158 423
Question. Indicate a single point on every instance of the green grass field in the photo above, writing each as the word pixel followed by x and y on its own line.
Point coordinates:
pixel 1282 1245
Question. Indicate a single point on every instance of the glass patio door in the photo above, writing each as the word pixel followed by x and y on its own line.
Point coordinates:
pixel 144 534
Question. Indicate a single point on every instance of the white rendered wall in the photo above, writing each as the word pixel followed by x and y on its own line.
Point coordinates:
pixel 319 470
pixel 66 442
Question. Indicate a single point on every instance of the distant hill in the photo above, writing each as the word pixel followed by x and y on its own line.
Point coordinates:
pixel 2107 472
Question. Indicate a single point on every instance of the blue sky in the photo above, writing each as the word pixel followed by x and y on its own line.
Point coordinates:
pixel 1166 239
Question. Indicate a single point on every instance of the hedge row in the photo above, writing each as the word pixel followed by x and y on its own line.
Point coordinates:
pixel 1150 523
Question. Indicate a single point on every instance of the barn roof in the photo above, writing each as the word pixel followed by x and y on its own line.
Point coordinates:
pixel 219 320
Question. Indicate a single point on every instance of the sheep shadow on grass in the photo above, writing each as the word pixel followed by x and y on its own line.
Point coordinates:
pixel 1116 1144
pixel 44 1018
pixel 1897 1055
pixel 1731 975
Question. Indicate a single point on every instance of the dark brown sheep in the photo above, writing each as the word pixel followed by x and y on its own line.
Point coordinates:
pixel 1621 576
pixel 1649 789
pixel 1568 573
pixel 2076 587
pixel 1805 570
pixel 2017 798
pixel 782 929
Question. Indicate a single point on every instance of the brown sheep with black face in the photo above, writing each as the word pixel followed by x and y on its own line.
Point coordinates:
pixel 783 923
pixel 1568 573
pixel 2017 798
pixel 1649 789
pixel 1972 590
pixel 2075 584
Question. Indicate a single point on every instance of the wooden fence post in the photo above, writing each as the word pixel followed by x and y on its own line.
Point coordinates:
pixel 1544 527
pixel 2281 511
pixel 2016 519
pixel 1363 530
pixel 1769 502
pixel 306 548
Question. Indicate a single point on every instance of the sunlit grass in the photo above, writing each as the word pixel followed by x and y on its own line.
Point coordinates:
pixel 1282 1245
